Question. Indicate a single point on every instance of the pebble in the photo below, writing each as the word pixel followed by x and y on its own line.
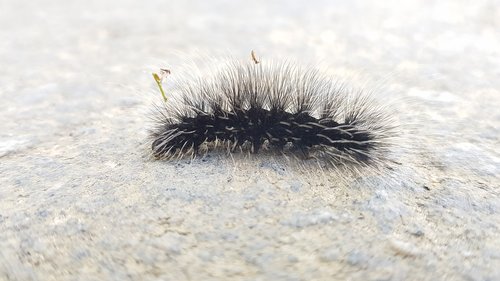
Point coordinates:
pixel 404 248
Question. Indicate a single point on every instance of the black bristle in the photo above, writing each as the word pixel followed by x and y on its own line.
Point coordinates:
pixel 257 125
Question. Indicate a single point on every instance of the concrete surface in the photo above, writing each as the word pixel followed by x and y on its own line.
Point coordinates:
pixel 79 200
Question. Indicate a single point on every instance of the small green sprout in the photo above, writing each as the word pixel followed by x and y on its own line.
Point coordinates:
pixel 159 79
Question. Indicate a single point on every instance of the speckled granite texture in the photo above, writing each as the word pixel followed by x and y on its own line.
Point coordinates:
pixel 80 201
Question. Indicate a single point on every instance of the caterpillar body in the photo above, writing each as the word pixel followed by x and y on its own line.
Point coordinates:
pixel 278 107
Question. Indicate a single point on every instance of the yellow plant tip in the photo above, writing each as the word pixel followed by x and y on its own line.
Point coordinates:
pixel 254 57
pixel 156 77
pixel 158 81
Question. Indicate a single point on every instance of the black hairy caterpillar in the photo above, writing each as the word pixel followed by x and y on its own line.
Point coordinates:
pixel 279 107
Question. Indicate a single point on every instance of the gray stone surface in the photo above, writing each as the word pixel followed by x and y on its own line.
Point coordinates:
pixel 80 199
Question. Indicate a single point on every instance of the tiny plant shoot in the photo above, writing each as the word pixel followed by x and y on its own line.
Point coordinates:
pixel 159 79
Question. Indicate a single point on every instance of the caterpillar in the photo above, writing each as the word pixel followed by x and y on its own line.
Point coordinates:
pixel 277 107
